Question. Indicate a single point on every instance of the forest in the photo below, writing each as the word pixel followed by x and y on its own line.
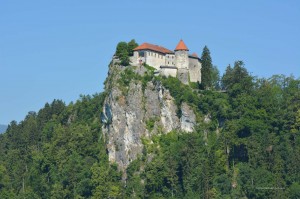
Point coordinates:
pixel 249 149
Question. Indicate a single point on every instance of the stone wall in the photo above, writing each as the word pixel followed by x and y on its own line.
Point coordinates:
pixel 181 59
pixel 183 75
pixel 194 70
pixel 137 59
pixel 168 71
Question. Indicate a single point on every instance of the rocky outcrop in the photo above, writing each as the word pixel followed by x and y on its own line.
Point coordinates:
pixel 138 111
pixel 188 118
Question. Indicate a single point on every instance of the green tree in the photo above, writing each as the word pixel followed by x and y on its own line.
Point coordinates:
pixel 294 191
pixel 237 79
pixel 206 70
pixel 124 50
pixel 122 53
pixel 131 45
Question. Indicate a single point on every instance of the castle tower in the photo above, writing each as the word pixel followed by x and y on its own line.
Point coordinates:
pixel 182 62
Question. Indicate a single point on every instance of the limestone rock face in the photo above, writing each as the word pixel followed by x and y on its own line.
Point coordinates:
pixel 139 112
pixel 188 118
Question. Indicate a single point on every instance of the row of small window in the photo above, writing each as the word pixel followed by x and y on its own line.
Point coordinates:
pixel 154 55
pixel 169 63
pixel 160 56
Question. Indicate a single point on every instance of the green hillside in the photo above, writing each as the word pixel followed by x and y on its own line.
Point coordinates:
pixel 250 148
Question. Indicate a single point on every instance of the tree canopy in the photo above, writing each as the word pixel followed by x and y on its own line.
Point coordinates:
pixel 124 50
pixel 246 144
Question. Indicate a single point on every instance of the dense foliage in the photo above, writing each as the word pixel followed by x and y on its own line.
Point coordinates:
pixel 247 144
pixel 249 147
pixel 58 153
pixel 124 50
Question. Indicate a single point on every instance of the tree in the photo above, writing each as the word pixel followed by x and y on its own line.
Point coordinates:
pixel 237 79
pixel 131 45
pixel 227 77
pixel 124 50
pixel 215 77
pixel 122 53
pixel 207 67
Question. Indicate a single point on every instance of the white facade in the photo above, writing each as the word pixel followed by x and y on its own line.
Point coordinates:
pixel 152 58
pixel 176 64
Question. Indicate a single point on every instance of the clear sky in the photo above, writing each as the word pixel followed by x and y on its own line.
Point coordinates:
pixel 61 49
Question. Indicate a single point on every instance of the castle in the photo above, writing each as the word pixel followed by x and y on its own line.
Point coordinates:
pixel 178 63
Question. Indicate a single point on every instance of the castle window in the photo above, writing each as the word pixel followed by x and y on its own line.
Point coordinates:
pixel 141 53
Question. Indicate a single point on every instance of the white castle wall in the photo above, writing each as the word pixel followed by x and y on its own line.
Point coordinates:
pixel 188 68
pixel 155 59
pixel 151 58
pixel 168 72
pixel 170 60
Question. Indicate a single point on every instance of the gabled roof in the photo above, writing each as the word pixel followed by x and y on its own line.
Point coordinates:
pixel 181 46
pixel 147 46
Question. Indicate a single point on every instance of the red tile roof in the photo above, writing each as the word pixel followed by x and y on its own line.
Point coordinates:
pixel 195 55
pixel 147 46
pixel 181 46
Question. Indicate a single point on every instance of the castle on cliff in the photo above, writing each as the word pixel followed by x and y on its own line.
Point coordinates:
pixel 178 63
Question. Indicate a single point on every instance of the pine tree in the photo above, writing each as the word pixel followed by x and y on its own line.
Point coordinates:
pixel 206 70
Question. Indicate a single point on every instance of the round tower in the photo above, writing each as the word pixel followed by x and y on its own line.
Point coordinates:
pixel 182 62
pixel 181 55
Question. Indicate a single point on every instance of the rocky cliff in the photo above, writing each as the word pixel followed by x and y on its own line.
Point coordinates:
pixel 138 106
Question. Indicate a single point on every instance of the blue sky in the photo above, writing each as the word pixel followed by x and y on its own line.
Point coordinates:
pixel 61 49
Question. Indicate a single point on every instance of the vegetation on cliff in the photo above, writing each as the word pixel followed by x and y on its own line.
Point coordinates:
pixel 124 50
pixel 246 144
